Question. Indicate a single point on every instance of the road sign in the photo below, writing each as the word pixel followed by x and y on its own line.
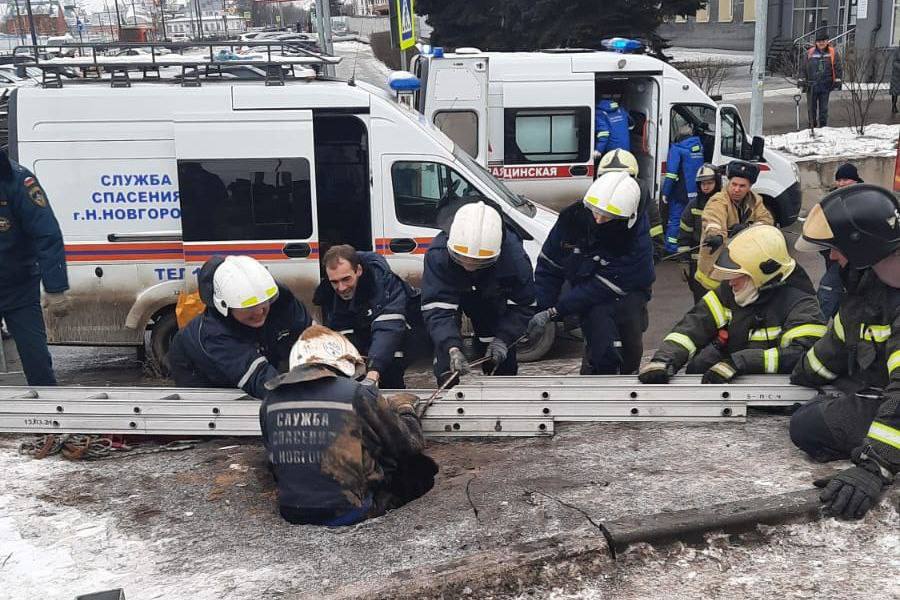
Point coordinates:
pixel 403 23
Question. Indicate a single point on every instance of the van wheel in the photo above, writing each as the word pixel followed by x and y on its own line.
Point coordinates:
pixel 530 350
pixel 164 329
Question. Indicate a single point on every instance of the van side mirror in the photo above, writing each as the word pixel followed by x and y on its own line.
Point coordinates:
pixel 757 148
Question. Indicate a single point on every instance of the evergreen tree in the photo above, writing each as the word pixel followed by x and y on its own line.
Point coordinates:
pixel 536 24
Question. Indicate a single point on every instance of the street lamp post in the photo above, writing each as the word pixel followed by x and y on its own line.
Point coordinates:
pixel 34 40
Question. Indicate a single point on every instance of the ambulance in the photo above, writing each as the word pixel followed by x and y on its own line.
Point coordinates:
pixel 150 179
pixel 529 118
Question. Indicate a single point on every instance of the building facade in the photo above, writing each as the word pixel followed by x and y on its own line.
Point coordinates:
pixel 730 24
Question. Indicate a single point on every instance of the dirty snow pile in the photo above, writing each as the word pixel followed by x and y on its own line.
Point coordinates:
pixel 827 142
pixel 690 55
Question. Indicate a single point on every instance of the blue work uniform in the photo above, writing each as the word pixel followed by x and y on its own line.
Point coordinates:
pixel 377 318
pixel 31 252
pixel 216 351
pixel 603 274
pixel 498 299
pixel 680 183
pixel 611 127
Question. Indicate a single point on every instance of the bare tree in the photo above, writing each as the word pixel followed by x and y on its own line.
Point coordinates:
pixel 864 72
pixel 709 74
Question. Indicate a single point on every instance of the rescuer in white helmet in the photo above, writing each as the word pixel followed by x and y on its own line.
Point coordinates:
pixel 479 267
pixel 245 333
pixel 341 452
pixel 601 248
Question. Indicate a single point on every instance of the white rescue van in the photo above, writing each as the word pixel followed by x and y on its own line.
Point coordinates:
pixel 149 181
pixel 529 118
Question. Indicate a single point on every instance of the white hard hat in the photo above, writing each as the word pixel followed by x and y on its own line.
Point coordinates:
pixel 322 346
pixel 618 160
pixel 615 195
pixel 476 235
pixel 242 282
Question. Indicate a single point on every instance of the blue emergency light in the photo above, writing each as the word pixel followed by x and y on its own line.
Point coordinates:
pixel 437 52
pixel 404 81
pixel 622 45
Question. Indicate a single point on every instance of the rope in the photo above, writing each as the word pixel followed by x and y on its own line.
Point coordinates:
pixel 74 446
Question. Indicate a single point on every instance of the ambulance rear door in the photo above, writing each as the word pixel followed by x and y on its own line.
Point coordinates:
pixel 456 101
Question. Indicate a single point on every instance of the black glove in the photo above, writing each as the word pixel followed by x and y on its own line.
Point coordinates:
pixel 852 492
pixel 656 372
pixel 736 229
pixel 714 242
pixel 721 372
pixel 497 351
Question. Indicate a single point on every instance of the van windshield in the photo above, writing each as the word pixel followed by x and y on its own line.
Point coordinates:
pixel 489 180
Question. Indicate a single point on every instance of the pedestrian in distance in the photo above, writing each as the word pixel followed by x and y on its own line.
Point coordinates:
pixel 243 337
pixel 821 72
pixel 478 267
pixel 726 214
pixel 363 299
pixel 709 183
pixel 597 264
pixel 763 321
pixel 859 354
pixel 340 452
pixel 895 79
pixel 32 253
pixel 680 184
pixel 831 286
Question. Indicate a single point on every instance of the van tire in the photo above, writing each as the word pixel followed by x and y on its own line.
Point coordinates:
pixel 165 326
pixel 533 350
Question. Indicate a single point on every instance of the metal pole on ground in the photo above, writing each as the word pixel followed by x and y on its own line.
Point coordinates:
pixel 328 48
pixel 759 69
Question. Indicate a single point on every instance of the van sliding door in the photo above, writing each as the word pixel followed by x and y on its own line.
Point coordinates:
pixel 247 185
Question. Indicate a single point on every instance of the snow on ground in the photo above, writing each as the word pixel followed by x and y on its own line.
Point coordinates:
pixel 832 142
pixel 358 57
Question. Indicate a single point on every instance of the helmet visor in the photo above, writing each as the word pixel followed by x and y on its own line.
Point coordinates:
pixel 473 264
pixel 726 268
pixel 603 209
pixel 817 233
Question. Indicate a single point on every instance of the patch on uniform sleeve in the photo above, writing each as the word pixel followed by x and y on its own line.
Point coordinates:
pixel 37 195
pixel 5 224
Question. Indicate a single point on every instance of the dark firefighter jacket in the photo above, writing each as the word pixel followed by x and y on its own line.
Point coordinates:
pixel 690 229
pixel 217 351
pixel 508 285
pixel 768 336
pixel 862 347
pixel 600 262
pixel 332 444
pixel 31 243
pixel 377 316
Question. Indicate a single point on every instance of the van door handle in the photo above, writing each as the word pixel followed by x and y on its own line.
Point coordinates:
pixel 579 170
pixel 296 250
pixel 402 245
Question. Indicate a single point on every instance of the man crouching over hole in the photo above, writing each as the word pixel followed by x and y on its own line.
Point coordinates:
pixel 340 452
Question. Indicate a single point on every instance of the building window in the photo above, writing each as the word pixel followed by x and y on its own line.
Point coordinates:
pixel 547 135
pixel 749 11
pixel 702 15
pixel 809 15
pixel 420 186
pixel 725 11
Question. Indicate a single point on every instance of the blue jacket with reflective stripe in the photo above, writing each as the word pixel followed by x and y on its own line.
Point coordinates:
pixel 508 285
pixel 684 160
pixel 611 127
pixel 31 243
pixel 377 316
pixel 217 351
pixel 599 262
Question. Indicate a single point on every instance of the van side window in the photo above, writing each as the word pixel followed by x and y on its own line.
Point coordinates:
pixel 547 135
pixel 245 199
pixel 420 186
pixel 461 126
pixel 733 136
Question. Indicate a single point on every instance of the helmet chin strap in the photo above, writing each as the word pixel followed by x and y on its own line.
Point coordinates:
pixel 748 294
pixel 888 270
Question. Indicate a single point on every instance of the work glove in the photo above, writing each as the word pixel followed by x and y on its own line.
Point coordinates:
pixel 721 372
pixel 656 372
pixel 663 200
pixel 838 84
pixel 57 304
pixel 802 84
pixel 736 229
pixel 497 351
pixel 539 322
pixel 852 492
pixel 458 361
pixel 713 242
